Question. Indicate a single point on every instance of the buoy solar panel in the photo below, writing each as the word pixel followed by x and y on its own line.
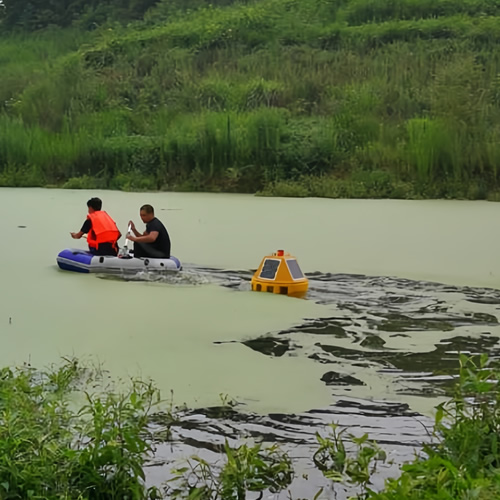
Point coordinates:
pixel 269 269
pixel 280 273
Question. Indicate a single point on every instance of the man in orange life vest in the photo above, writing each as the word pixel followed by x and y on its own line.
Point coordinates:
pixel 102 233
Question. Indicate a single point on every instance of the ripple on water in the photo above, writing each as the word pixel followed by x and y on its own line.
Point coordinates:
pixel 387 345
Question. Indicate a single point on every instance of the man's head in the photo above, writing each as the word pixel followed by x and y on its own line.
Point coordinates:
pixel 147 213
pixel 94 204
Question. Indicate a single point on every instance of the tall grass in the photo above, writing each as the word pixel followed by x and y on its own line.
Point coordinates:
pixel 240 95
pixel 365 11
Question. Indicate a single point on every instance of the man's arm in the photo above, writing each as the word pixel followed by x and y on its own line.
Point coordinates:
pixel 146 238
pixel 86 227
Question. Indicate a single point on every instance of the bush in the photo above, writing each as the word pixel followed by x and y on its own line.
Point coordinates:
pixel 53 448
pixel 84 182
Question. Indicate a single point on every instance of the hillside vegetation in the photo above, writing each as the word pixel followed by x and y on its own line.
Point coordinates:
pixel 336 98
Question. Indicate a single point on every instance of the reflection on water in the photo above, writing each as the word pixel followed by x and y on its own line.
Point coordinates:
pixel 389 348
pixel 203 432
pixel 404 334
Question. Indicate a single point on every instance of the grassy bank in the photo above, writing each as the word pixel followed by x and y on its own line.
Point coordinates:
pixel 275 96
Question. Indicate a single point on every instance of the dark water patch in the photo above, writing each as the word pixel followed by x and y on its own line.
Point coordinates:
pixel 443 359
pixel 345 353
pixel 325 329
pixel 269 345
pixel 321 359
pixel 377 408
pixel 323 326
pixel 483 300
pixel 428 391
pixel 401 323
pixel 334 378
pixel 372 342
pixel 487 319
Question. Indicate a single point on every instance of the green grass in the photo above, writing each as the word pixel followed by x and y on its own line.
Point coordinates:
pixel 249 96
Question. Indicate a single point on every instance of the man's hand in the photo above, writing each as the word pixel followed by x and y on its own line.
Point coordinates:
pixel 75 236
pixel 133 229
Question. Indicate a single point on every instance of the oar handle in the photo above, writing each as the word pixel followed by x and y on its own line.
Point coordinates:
pixel 126 237
pixel 124 250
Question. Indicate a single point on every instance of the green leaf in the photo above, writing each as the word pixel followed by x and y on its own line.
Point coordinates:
pixel 439 414
pixel 318 494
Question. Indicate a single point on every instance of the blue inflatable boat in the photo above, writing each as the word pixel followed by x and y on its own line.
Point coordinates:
pixel 82 261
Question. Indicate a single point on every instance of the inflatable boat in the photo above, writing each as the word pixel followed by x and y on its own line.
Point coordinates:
pixel 82 261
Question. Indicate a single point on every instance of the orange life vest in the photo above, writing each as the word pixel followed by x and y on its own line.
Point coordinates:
pixel 103 230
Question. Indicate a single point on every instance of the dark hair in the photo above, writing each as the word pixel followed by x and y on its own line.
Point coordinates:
pixel 95 203
pixel 148 209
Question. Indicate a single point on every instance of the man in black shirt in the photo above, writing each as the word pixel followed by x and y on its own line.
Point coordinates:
pixel 155 241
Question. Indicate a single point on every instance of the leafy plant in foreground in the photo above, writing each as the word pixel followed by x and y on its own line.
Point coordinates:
pixel 333 460
pixel 247 468
pixel 464 461
pixel 51 447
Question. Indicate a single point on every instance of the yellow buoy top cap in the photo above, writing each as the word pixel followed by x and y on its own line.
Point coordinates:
pixel 280 267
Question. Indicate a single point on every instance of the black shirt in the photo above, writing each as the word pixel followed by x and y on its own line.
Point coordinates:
pixel 87 225
pixel 162 243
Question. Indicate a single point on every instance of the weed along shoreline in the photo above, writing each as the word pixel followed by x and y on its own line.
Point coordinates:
pixel 358 185
pixel 59 438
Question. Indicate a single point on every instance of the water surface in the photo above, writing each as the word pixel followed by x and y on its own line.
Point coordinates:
pixel 179 333
pixel 397 289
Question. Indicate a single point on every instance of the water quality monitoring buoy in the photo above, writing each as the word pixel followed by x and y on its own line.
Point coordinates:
pixel 280 273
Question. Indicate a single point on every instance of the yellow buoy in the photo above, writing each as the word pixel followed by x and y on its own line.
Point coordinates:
pixel 280 273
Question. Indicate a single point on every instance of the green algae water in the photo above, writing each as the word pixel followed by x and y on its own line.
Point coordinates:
pixel 366 260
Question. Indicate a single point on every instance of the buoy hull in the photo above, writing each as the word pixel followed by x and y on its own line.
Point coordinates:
pixel 292 290
pixel 280 274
